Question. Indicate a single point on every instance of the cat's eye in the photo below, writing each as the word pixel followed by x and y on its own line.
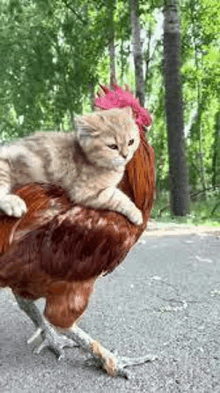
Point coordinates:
pixel 113 147
pixel 131 142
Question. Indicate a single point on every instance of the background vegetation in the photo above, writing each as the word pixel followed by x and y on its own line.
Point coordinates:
pixel 55 52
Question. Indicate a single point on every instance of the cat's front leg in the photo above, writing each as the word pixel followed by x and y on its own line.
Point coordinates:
pixel 134 215
pixel 128 208
pixel 114 199
pixel 12 205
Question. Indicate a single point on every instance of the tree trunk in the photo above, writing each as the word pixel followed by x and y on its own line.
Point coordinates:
pixel 137 51
pixel 201 154
pixel 111 41
pixel 147 60
pixel 174 110
pixel 216 155
pixel 200 99
pixel 91 88
pixel 111 49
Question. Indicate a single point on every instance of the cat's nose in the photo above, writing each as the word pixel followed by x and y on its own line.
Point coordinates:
pixel 124 155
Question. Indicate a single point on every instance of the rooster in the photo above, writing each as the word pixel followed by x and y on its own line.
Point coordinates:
pixel 58 249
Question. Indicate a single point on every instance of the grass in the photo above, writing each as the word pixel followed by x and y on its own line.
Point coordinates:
pixel 200 211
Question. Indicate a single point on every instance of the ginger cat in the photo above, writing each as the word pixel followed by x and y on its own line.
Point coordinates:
pixel 88 163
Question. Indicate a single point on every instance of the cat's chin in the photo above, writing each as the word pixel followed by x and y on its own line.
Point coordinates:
pixel 114 164
pixel 118 167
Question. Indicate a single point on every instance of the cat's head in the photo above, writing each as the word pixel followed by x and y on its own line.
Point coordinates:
pixel 109 138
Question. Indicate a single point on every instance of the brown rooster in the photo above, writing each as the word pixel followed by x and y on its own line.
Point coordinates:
pixel 57 250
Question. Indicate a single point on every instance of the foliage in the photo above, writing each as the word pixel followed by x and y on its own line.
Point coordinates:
pixel 54 53
pixel 201 211
pixel 201 71
pixel 50 55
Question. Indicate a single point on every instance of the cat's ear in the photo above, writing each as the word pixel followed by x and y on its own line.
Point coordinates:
pixel 85 127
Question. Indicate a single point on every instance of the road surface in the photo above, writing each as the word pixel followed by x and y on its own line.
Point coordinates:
pixel 164 299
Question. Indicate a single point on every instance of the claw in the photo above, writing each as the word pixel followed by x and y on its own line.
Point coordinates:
pixel 46 344
pixel 127 362
pixel 35 336
pixel 105 359
pixel 43 345
pixel 45 332
pixel 51 339
pixel 123 362
pixel 115 365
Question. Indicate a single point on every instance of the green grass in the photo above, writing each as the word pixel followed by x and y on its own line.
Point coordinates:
pixel 200 211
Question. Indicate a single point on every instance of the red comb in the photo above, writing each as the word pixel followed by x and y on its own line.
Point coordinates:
pixel 119 98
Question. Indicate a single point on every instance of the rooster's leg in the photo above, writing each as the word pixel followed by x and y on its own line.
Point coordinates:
pixel 51 338
pixel 110 362
pixel 64 306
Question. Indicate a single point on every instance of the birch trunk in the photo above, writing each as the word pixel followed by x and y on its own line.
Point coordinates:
pixel 111 42
pixel 137 51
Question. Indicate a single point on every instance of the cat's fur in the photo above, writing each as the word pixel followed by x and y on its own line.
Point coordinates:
pixel 88 163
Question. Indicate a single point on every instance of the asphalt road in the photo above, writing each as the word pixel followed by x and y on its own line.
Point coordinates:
pixel 164 299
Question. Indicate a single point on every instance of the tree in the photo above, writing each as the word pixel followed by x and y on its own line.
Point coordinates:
pixel 174 111
pixel 216 156
pixel 137 51
pixel 111 41
pixel 201 75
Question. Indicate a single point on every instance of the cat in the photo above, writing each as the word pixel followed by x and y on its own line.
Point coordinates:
pixel 88 163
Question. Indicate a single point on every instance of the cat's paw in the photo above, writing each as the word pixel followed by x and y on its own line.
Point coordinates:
pixel 13 205
pixel 136 216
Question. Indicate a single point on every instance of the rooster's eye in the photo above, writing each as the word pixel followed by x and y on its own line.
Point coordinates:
pixel 131 142
pixel 113 147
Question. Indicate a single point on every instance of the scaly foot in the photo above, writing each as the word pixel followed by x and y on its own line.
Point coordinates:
pixel 51 339
pixel 110 362
pixel 118 364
